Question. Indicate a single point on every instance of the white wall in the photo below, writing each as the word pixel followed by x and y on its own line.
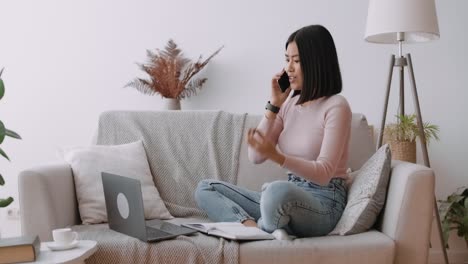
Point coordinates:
pixel 67 61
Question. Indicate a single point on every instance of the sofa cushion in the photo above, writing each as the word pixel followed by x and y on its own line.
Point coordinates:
pixel 367 247
pixel 128 160
pixel 366 196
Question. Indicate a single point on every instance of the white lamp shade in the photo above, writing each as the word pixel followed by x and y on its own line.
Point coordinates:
pixel 416 18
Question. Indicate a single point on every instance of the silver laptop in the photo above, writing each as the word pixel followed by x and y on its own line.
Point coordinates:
pixel 125 213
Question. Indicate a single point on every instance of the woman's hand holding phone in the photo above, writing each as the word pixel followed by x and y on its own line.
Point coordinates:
pixel 278 97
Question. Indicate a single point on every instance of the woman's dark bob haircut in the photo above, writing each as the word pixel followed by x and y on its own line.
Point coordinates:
pixel 319 63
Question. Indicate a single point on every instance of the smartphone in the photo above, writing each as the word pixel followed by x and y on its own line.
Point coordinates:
pixel 283 82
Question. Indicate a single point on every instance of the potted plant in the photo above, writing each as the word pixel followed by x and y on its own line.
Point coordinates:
pixel 454 214
pixel 4 132
pixel 402 136
pixel 170 75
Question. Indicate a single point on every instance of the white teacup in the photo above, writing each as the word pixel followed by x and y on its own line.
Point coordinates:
pixel 64 236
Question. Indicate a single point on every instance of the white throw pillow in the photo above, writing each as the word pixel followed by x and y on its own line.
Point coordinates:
pixel 127 160
pixel 367 194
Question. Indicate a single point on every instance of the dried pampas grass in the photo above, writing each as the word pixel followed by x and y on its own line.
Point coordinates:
pixel 171 73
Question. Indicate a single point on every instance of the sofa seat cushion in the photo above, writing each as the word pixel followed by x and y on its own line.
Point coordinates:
pixel 368 247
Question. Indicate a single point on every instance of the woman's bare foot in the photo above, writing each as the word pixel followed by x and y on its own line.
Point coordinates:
pixel 249 223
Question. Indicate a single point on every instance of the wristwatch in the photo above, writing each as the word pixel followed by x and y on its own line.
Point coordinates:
pixel 272 108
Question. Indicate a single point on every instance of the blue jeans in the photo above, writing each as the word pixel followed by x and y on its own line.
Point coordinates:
pixel 300 207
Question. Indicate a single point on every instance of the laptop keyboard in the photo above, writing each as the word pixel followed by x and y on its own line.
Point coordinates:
pixel 152 232
pixel 171 228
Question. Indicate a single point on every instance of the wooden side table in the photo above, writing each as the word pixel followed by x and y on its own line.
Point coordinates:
pixel 76 255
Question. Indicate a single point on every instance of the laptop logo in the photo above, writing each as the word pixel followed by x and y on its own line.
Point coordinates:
pixel 122 206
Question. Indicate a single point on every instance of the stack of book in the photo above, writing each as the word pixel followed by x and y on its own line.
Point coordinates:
pixel 19 249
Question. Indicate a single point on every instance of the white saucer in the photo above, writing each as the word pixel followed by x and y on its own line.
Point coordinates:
pixel 54 246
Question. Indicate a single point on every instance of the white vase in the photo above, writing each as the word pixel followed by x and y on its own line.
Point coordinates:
pixel 171 104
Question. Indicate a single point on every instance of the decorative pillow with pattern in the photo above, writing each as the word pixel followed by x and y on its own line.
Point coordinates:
pixel 367 194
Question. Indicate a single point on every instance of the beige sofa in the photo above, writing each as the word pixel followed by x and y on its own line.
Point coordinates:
pixel 48 201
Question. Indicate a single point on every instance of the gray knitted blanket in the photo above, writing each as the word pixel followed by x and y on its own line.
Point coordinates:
pixel 183 147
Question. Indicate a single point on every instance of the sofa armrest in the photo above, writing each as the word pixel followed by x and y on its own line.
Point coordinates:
pixel 407 218
pixel 47 200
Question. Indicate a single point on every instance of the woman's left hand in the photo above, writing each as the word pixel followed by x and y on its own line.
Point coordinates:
pixel 264 147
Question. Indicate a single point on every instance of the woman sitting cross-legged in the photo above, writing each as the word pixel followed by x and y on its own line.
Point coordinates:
pixel 306 130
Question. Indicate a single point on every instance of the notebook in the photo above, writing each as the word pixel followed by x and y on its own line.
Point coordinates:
pixel 231 230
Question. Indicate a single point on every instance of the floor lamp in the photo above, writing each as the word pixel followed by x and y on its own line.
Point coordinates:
pixel 398 22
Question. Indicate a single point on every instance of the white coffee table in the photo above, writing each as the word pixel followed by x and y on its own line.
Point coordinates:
pixel 76 255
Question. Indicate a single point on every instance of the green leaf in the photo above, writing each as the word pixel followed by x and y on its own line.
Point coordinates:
pixel 454 213
pixel 6 202
pixel 2 132
pixel 444 208
pixel 2 88
pixel 445 231
pixel 12 134
pixel 2 181
pixel 406 129
pixel 455 198
pixel 4 154
pixel 458 210
pixel 465 191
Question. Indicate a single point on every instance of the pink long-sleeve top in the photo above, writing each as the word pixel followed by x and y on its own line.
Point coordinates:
pixel 313 137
